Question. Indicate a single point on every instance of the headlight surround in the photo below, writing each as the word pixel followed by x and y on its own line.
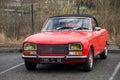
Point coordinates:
pixel 75 49
pixel 75 46
pixel 30 46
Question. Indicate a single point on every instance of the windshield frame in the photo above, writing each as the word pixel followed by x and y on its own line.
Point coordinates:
pixel 44 28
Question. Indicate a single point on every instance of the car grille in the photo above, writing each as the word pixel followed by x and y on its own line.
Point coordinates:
pixel 52 49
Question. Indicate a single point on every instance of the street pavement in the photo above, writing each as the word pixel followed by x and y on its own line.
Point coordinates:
pixel 12 68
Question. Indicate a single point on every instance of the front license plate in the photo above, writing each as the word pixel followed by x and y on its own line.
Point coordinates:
pixel 51 60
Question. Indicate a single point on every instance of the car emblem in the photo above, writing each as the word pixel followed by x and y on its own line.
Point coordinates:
pixel 51 49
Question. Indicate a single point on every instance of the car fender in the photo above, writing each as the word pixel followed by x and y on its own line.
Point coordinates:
pixel 86 47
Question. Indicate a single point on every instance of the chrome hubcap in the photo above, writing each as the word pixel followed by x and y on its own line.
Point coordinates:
pixel 106 51
pixel 91 60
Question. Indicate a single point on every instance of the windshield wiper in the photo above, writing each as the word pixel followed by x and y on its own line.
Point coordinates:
pixel 80 28
pixel 59 28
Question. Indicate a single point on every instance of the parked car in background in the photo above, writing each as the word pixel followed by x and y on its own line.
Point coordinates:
pixel 66 39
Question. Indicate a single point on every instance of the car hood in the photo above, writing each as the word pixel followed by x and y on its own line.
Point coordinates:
pixel 58 37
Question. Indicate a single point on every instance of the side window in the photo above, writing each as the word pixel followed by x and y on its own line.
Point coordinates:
pixel 94 24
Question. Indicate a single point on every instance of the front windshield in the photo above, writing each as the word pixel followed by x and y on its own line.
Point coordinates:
pixel 67 24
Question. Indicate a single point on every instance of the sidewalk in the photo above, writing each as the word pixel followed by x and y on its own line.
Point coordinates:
pixel 111 49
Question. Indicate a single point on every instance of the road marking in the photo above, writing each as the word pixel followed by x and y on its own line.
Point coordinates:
pixel 11 68
pixel 115 71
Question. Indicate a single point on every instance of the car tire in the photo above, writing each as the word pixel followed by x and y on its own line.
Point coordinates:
pixel 104 54
pixel 88 64
pixel 30 65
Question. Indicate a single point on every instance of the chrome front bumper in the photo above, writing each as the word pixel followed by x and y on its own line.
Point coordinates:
pixel 64 57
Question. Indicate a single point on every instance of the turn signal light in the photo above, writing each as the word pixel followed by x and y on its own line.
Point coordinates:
pixel 30 52
pixel 76 53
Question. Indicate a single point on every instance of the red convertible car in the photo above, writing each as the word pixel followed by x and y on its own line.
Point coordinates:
pixel 66 39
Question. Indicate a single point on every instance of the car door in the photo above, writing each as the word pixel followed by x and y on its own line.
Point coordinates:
pixel 103 39
pixel 96 38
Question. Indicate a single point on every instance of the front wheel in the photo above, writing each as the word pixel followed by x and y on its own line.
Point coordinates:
pixel 104 54
pixel 30 65
pixel 88 64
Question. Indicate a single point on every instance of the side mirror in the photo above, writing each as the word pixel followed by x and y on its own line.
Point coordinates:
pixel 97 28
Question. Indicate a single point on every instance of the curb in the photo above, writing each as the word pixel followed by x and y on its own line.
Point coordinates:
pixel 114 51
pixel 10 50
pixel 18 50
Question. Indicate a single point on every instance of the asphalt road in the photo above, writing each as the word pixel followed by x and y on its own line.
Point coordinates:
pixel 12 68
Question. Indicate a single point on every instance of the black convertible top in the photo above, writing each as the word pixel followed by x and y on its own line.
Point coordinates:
pixel 76 15
pixel 73 15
